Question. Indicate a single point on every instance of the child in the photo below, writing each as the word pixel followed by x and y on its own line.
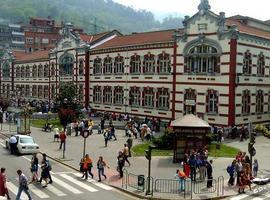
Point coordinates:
pixel 255 168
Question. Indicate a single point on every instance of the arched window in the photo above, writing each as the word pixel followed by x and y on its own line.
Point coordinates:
pixel 6 70
pixel 66 63
pixel 119 64
pixel 202 58
pixel 81 67
pixel 34 71
pixel 261 65
pixel 40 71
pixel 22 72
pixel 97 66
pixel 52 69
pixel 149 63
pixel 27 75
pixel 164 63
pixel 135 64
pixel 246 102
pixel 247 63
pixel 46 70
pixel 18 72
pixel 107 64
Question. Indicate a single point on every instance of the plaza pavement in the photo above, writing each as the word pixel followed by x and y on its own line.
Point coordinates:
pixel 162 167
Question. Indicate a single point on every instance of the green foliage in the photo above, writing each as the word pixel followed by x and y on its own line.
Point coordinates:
pixel 224 151
pixel 109 15
pixel 4 103
pixel 165 141
pixel 139 150
pixel 39 123
pixel 262 129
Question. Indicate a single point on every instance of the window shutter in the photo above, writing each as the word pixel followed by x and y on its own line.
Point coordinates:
pixel 207 101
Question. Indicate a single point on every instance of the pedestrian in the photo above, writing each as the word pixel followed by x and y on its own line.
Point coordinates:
pixel 112 132
pixel 202 168
pixel 238 169
pixel 99 129
pixel 186 168
pixel 106 137
pixel 23 185
pixel 34 168
pixel 3 183
pixel 193 165
pixel 101 164
pixel 120 163
pixel 129 144
pixel 63 138
pixel 46 168
pixel 126 153
pixel 87 166
pixel 102 124
pixel 209 170
pixel 76 128
pixel 255 168
pixel 182 179
pixel 13 144
pixel 241 183
pixel 231 172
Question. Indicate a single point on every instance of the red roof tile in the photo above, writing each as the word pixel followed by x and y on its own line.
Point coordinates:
pixel 92 38
pixel 21 56
pixel 248 29
pixel 139 38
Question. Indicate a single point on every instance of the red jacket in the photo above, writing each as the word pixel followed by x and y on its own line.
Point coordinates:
pixel 62 136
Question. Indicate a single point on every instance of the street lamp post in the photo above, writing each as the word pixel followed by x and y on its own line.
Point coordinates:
pixel 85 135
pixel 148 155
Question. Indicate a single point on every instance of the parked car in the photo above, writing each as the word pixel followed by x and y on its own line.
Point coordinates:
pixel 25 144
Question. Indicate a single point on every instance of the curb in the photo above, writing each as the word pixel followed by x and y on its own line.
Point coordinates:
pixel 118 188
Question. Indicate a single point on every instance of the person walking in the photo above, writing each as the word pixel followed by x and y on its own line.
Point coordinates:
pixel 255 167
pixel 126 153
pixel 76 128
pixel 46 168
pixel 193 164
pixel 129 144
pixel 101 164
pixel 238 168
pixel 120 163
pixel 87 166
pixel 106 137
pixel 23 185
pixel 13 144
pixel 209 170
pixel 231 172
pixel 3 183
pixel 112 131
pixel 63 138
pixel 34 168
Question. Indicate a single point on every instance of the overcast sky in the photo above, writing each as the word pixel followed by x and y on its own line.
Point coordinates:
pixel 257 9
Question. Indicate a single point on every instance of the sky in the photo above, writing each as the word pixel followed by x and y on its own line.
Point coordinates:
pixel 257 9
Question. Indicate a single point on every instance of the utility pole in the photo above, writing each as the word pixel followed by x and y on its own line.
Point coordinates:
pixel 148 155
pixel 251 149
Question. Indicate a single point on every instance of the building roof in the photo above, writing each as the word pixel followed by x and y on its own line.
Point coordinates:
pixel 139 38
pixel 190 120
pixel 243 28
pixel 22 56
pixel 92 38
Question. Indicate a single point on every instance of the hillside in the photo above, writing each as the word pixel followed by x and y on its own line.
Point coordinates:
pixel 108 14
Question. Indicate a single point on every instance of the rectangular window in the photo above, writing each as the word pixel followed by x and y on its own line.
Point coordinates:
pixel 202 27
pixel 45 41
pixel 149 62
pixel 119 65
pixel 27 92
pixel 46 91
pixel 97 94
pixel 135 64
pixel 40 91
pixel 34 91
pixel 148 98
pixel 29 40
pixel 135 96
pixel 97 66
pixel 163 99
pixel 212 102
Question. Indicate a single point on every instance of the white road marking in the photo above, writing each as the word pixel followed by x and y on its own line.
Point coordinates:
pixel 66 186
pixel 54 190
pixel 14 189
pixel 239 197
pixel 79 183
pixel 258 198
pixel 2 143
pixel 38 192
pixel 101 185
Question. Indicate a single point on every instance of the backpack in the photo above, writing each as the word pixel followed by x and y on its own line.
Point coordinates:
pixel 49 165
pixel 230 169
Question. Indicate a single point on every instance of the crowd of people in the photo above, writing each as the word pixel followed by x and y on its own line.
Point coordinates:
pixel 242 170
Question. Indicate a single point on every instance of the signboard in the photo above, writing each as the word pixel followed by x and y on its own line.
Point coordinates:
pixel 85 133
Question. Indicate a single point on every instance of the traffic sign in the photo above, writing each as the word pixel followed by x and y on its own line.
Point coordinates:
pixel 85 133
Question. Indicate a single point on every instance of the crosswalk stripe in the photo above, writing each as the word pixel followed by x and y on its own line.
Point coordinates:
pixel 14 189
pixel 101 185
pixel 79 183
pixel 258 198
pixel 66 186
pixel 239 197
pixel 54 190
pixel 38 192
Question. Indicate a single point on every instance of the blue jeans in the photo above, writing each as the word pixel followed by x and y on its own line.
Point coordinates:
pixel 101 172
pixel 22 188
pixel 182 184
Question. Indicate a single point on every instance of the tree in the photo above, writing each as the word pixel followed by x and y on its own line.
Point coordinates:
pixel 68 107
pixel 4 103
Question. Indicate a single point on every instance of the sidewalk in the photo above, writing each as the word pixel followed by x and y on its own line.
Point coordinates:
pixel 162 167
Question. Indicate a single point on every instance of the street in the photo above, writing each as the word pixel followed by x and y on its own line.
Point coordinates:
pixel 67 184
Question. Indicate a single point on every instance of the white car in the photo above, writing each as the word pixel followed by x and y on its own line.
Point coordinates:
pixel 25 145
